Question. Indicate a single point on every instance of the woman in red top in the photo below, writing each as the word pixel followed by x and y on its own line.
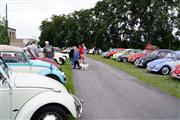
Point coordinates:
pixel 81 52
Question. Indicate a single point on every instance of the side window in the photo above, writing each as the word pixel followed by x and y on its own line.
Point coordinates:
pixel 8 57
pixel 1 77
pixel 28 54
pixel 178 56
pixel 12 57
pixel 162 54
pixel 20 57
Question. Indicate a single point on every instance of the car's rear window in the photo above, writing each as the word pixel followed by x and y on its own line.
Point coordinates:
pixel 12 57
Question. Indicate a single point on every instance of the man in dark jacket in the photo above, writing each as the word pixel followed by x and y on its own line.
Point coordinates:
pixel 71 55
pixel 76 57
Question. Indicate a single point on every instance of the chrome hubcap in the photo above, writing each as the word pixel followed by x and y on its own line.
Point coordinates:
pixel 60 62
pixel 51 116
pixel 124 60
pixel 165 70
pixel 135 63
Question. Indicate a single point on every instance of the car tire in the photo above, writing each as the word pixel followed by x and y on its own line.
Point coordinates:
pixel 165 70
pixel 65 57
pixel 124 60
pixel 56 61
pixel 61 61
pixel 136 62
pixel 50 112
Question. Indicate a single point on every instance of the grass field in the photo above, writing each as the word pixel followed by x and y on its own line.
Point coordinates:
pixel 165 84
pixel 66 68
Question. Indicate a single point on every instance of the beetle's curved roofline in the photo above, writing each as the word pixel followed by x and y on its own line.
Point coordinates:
pixel 8 48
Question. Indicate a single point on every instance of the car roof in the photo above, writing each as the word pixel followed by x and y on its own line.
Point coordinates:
pixel 8 48
pixel 165 50
pixel 177 52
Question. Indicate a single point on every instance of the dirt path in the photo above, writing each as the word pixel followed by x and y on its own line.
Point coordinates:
pixel 111 94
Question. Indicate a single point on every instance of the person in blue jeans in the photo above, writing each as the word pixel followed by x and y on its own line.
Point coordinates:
pixel 76 57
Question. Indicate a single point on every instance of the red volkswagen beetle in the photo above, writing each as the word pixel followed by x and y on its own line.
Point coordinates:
pixel 176 72
pixel 32 56
pixel 111 53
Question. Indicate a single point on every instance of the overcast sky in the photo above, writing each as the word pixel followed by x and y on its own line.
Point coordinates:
pixel 26 15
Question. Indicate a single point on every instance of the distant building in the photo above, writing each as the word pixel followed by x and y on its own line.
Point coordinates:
pixel 22 42
pixel 12 33
pixel 18 42
pixel 12 37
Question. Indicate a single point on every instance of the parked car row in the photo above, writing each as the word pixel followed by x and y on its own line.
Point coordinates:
pixel 32 88
pixel 161 61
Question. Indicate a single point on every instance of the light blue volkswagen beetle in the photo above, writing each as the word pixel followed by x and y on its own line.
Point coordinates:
pixel 166 64
pixel 17 60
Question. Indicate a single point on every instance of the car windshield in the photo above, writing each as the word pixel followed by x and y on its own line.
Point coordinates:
pixel 133 51
pixel 4 67
pixel 178 56
pixel 154 53
pixel 171 55
pixel 162 53
pixel 147 52
pixel 12 57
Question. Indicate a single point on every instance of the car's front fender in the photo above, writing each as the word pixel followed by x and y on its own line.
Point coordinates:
pixel 36 102
pixel 52 71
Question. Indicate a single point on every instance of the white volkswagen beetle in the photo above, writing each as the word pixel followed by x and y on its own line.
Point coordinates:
pixel 60 57
pixel 34 97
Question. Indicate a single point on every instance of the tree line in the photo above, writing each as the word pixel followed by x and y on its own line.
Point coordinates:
pixel 117 23
pixel 4 39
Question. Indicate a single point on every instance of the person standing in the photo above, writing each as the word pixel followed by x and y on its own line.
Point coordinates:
pixel 48 50
pixel 71 55
pixel 76 58
pixel 33 47
pixel 81 53
pixel 84 53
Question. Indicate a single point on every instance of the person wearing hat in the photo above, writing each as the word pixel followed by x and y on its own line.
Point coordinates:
pixel 33 47
pixel 48 50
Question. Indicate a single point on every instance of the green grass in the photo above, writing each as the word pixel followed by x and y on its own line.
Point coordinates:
pixel 165 84
pixel 66 68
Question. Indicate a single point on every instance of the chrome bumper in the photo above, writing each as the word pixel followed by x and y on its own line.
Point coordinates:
pixel 175 76
pixel 78 103
pixel 139 64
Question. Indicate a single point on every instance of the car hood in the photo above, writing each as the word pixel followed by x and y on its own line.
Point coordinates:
pixel 48 60
pixel 40 63
pixel 138 54
pixel 28 80
pixel 60 54
pixel 118 54
pixel 104 53
pixel 177 70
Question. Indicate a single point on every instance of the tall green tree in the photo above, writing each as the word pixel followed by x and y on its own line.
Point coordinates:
pixel 4 39
pixel 117 23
